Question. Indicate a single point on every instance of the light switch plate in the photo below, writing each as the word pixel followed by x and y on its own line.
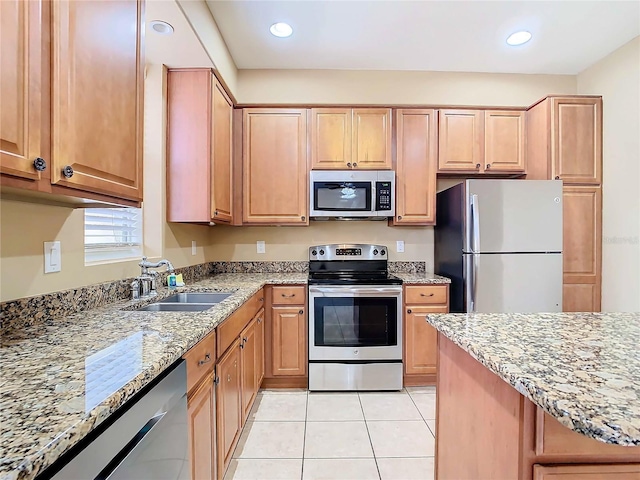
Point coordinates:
pixel 52 257
pixel 260 248
pixel 400 246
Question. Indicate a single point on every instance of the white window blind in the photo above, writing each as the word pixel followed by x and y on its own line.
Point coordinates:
pixel 112 234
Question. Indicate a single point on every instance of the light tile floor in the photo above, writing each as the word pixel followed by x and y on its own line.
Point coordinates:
pixel 294 434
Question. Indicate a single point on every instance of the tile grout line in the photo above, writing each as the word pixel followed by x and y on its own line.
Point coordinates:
pixel 366 425
pixel 304 435
pixel 421 415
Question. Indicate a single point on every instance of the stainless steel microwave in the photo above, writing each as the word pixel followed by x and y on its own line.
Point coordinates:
pixel 345 194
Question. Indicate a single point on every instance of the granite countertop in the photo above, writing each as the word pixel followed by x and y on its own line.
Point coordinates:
pixel 52 390
pixel 581 368
pixel 425 278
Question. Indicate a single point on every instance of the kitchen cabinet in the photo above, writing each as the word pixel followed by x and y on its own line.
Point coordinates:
pixel 564 142
pixel 251 362
pixel 582 472
pixel 286 337
pixel 416 143
pixel 199 148
pixel 274 163
pixel 344 138
pixel 229 405
pixel 486 142
pixel 260 360
pixel 73 98
pixel 420 339
pixel 201 413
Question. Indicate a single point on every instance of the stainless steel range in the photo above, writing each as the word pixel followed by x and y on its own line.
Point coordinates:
pixel 355 319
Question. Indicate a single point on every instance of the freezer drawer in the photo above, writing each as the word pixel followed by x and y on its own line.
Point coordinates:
pixel 513 283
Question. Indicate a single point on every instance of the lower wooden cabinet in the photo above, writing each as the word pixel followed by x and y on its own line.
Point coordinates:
pixel 288 341
pixel 201 411
pixel 420 340
pixel 249 366
pixel 229 405
pixel 260 348
pixel 587 472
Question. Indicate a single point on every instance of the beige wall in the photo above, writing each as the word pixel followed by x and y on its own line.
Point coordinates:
pixel 617 78
pixel 353 87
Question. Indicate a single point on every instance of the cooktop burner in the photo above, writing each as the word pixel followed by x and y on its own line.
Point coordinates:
pixel 350 264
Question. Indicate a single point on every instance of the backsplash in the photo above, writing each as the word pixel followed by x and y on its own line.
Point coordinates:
pixel 28 311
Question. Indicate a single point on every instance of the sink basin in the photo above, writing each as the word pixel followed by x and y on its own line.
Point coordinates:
pixel 203 297
pixel 176 307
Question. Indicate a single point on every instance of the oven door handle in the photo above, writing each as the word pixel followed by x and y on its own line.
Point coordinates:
pixel 357 290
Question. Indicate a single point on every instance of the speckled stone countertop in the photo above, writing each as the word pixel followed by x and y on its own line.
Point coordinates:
pixel 51 396
pixel 581 368
pixel 422 278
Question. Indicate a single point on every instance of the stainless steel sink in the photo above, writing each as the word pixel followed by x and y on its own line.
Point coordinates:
pixel 203 297
pixel 176 307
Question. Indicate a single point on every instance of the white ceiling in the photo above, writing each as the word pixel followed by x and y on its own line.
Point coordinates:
pixel 468 36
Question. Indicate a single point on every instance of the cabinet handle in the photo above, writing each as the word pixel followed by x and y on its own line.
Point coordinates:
pixel 67 171
pixel 488 166
pixel 228 377
pixel 477 165
pixel 409 311
pixel 206 359
pixel 430 295
pixel 216 380
pixel 39 164
pixel 260 320
pixel 289 296
pixel 244 340
pixel 242 345
pixel 349 164
pixel 300 312
pixel 355 164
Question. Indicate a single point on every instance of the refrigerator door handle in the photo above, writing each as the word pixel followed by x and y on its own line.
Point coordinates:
pixel 474 281
pixel 475 224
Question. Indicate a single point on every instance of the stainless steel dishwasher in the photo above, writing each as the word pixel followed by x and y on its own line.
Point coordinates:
pixel 149 441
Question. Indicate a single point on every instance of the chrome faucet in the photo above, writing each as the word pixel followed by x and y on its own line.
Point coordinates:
pixel 145 284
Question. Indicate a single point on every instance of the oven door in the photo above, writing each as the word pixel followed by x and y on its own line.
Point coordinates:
pixel 355 322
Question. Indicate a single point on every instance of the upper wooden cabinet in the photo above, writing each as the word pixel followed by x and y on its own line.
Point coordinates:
pixel 72 99
pixel 343 138
pixel 416 143
pixel 274 167
pixel 476 141
pixel 199 143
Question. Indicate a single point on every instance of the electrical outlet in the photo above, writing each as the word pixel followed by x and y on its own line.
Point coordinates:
pixel 194 250
pixel 260 248
pixel 400 246
pixel 52 257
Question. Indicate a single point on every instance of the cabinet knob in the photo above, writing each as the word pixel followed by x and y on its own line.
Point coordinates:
pixel 67 171
pixel 207 359
pixel 242 345
pixel 215 213
pixel 39 164
pixel 557 177
pixel 262 299
pixel 349 164
pixel 303 218
pixel 399 217
pixel 409 311
pixel 300 312
pixel 244 340
pixel 228 377
pixel 477 165
pixel 355 164
pixel 260 320
pixel 216 380
pixel 488 166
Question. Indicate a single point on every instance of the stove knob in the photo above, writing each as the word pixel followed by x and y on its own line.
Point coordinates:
pixel 375 251
pixel 321 252
pixel 314 252
pixel 382 252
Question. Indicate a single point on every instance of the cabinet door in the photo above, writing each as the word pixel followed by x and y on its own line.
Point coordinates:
pixel 330 138
pixel 371 146
pixel 582 248
pixel 221 183
pixel 23 88
pixel 228 405
pixel 97 76
pixel 420 340
pixel 274 157
pixel 201 412
pixel 260 356
pixel 504 141
pixel 587 472
pixel 289 341
pixel 416 167
pixel 248 361
pixel 576 140
pixel 461 141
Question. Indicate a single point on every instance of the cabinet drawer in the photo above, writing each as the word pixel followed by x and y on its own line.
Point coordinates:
pixel 555 440
pixel 229 330
pixel 587 472
pixel 288 295
pixel 200 360
pixel 426 294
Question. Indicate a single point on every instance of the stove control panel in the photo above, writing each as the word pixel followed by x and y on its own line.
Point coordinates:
pixel 339 252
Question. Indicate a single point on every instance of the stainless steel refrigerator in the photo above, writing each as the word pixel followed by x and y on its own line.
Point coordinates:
pixel 500 242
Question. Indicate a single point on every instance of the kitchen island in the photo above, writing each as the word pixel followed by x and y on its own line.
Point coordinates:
pixel 538 396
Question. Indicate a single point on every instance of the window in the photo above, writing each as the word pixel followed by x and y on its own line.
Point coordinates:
pixel 112 234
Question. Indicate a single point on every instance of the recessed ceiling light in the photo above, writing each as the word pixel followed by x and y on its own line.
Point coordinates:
pixel 281 29
pixel 519 38
pixel 160 27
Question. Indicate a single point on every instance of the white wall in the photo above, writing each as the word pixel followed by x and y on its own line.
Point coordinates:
pixel 617 78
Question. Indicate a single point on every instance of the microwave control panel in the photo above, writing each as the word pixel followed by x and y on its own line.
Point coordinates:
pixel 383 196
